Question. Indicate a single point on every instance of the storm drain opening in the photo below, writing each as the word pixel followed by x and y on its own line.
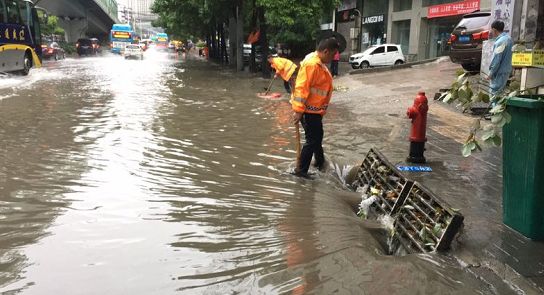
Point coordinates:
pixel 415 220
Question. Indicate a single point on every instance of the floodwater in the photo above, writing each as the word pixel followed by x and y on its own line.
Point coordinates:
pixel 168 176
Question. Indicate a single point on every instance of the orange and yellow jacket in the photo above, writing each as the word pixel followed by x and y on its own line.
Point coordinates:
pixel 313 88
pixel 283 67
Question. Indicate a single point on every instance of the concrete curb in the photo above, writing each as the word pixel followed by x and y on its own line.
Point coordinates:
pixel 391 68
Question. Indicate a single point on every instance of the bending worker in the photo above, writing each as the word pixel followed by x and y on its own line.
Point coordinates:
pixel 313 90
pixel 284 68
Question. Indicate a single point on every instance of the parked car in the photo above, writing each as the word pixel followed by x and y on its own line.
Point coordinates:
pixel 133 51
pixel 53 50
pixel 85 47
pixel 378 55
pixel 467 38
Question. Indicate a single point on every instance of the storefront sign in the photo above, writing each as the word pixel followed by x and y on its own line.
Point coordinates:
pixel 455 8
pixel 373 19
pixel 347 5
pixel 503 10
pixel 528 59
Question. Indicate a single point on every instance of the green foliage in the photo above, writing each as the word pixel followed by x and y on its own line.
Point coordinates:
pixel 52 27
pixel 68 47
pixel 293 22
pixel 462 92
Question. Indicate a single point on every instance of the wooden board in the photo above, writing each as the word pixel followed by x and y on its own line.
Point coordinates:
pixel 270 95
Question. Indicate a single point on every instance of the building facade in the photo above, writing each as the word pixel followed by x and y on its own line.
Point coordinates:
pixel 421 27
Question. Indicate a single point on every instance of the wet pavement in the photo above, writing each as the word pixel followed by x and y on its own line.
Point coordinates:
pixel 168 176
pixel 474 185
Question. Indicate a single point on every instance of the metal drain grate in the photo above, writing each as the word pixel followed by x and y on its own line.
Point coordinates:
pixel 422 222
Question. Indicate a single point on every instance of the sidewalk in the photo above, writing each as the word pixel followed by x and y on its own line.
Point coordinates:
pixel 486 247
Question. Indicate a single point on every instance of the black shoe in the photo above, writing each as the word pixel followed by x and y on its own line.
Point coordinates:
pixel 302 174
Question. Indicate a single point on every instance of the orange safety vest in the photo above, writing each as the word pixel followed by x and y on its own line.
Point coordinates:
pixel 284 67
pixel 313 88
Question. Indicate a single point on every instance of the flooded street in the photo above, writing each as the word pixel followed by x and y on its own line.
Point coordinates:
pixel 167 176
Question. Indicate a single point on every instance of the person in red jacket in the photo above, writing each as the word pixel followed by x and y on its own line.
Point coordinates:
pixel 309 101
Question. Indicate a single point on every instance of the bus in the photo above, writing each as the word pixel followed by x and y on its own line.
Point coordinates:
pixel 121 35
pixel 20 36
pixel 162 41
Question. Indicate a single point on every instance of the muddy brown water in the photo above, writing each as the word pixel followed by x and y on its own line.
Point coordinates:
pixel 167 176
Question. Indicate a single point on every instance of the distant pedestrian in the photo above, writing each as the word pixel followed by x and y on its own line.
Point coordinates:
pixel 310 101
pixel 334 64
pixel 284 68
pixel 501 62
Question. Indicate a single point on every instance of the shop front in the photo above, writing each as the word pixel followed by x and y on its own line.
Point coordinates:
pixel 441 20
pixel 374 23
pixel 374 31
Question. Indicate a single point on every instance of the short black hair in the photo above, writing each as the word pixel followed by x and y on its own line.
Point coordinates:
pixel 498 25
pixel 329 43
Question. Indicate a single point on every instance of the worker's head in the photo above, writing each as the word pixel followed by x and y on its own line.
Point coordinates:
pixel 497 27
pixel 271 56
pixel 326 49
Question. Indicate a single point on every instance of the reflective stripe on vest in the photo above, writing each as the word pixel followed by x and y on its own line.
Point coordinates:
pixel 319 92
pixel 317 109
pixel 300 99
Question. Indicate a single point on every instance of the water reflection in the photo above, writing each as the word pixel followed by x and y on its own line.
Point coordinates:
pixel 165 176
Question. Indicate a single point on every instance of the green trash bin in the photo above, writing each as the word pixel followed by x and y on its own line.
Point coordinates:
pixel 523 167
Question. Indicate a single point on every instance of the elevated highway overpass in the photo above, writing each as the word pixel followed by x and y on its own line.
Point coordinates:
pixel 83 18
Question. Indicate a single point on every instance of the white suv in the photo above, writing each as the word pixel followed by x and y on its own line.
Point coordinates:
pixel 133 51
pixel 378 55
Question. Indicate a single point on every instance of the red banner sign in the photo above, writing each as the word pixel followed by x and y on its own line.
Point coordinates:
pixel 456 8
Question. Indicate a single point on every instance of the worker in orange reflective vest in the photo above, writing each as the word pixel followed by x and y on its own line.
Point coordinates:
pixel 284 68
pixel 310 99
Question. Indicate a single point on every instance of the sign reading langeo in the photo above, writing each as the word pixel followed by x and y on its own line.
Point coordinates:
pixel 373 19
pixel 455 8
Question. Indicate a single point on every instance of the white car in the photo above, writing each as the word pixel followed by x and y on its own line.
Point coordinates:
pixel 133 51
pixel 378 55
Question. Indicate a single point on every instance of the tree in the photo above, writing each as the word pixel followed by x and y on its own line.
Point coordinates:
pixel 293 22
pixel 52 27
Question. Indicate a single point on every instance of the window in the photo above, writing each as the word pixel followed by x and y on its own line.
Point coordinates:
pixel 378 50
pixel 13 12
pixel 437 2
pixel 392 48
pixel 25 12
pixel 474 21
pixel 2 12
pixel 402 5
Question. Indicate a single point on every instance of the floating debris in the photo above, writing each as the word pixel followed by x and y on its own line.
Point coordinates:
pixel 422 222
pixel 340 88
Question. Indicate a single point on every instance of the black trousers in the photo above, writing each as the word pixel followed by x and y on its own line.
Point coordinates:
pixel 289 85
pixel 313 129
pixel 334 68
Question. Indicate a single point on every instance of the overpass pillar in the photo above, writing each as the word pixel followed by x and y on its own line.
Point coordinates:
pixel 74 28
